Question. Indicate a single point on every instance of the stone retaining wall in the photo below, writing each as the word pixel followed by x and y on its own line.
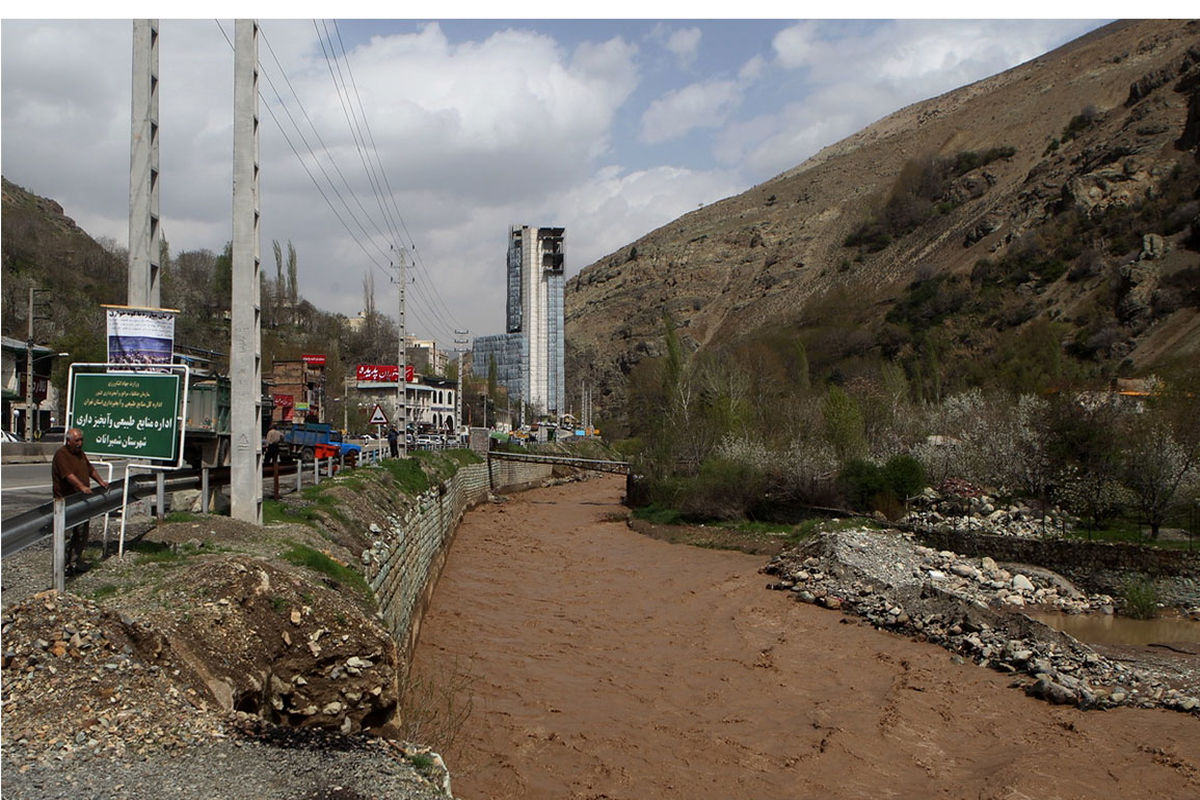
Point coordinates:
pixel 1092 565
pixel 404 562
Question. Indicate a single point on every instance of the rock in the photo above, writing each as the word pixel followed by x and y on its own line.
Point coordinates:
pixel 1022 584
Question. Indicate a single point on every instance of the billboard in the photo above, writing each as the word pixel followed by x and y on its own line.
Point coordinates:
pixel 140 335
pixel 383 373
pixel 313 360
pixel 127 414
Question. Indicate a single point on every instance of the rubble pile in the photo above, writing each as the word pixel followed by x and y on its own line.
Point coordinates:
pixel 972 607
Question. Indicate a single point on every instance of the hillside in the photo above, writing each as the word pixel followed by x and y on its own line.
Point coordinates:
pixel 998 224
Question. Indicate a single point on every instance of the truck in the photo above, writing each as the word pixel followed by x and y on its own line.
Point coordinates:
pixel 309 440
pixel 206 429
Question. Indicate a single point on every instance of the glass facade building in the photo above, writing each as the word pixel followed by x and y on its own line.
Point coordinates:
pixel 529 356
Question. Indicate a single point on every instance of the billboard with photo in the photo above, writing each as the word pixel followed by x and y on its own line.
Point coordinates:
pixel 140 335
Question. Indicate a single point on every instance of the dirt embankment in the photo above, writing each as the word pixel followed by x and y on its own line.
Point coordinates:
pixel 592 661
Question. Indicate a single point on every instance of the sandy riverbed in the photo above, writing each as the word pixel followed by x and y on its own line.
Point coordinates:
pixel 602 663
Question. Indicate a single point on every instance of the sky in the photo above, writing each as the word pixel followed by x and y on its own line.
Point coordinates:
pixel 430 137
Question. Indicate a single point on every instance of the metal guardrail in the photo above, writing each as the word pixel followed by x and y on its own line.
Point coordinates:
pixel 597 464
pixel 28 528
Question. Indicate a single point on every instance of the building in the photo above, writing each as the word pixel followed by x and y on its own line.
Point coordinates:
pixel 430 403
pixel 425 356
pixel 529 355
pixel 297 390
pixel 46 402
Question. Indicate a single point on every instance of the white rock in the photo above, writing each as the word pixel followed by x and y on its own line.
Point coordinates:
pixel 936 575
pixel 1022 584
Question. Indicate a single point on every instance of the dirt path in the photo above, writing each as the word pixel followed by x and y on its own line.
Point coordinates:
pixel 607 664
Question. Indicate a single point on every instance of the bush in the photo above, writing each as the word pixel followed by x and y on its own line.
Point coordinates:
pixel 1141 599
pixel 861 482
pixel 868 486
pixel 904 475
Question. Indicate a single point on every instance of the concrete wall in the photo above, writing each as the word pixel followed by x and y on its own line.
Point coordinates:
pixel 405 560
pixel 28 452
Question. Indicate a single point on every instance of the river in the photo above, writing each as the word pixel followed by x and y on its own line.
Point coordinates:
pixel 599 663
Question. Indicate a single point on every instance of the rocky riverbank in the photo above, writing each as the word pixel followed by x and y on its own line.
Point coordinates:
pixel 973 607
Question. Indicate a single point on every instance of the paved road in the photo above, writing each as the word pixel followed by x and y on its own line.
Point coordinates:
pixel 24 486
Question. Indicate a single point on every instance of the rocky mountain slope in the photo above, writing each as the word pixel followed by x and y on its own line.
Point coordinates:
pixel 1021 200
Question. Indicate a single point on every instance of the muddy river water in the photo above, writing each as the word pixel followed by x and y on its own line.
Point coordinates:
pixel 598 663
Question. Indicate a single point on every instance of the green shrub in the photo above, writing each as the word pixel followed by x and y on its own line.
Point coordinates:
pixel 861 482
pixel 1141 599
pixel 904 475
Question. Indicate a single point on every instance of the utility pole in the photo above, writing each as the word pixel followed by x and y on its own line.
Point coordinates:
pixel 401 382
pixel 458 412
pixel 144 235
pixel 245 357
pixel 29 372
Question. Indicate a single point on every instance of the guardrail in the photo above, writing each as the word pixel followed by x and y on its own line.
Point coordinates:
pixel 597 464
pixel 28 528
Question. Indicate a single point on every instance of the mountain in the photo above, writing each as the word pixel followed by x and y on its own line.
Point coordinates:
pixel 1038 226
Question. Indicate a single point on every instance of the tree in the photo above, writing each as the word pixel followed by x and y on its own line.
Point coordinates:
pixel 844 426
pixel 1084 442
pixel 1154 466
pixel 293 281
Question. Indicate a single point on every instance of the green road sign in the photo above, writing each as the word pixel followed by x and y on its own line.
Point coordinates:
pixel 134 415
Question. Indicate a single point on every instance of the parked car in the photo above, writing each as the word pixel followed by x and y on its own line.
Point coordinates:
pixel 9 436
pixel 55 433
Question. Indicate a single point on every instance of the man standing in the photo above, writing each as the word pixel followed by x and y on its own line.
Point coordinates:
pixel 72 473
pixel 274 437
pixel 393 437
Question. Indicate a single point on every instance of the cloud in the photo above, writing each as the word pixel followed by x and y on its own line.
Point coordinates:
pixel 700 105
pixel 895 63
pixel 471 136
pixel 684 44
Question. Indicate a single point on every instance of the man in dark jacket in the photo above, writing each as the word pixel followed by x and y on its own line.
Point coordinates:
pixel 393 437
pixel 73 473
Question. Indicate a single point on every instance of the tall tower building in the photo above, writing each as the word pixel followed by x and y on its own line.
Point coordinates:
pixel 529 356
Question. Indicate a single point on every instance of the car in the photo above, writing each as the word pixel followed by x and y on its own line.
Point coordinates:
pixel 9 436
pixel 55 433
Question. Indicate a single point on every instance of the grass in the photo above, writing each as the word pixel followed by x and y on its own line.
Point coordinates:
pixel 658 515
pixel 1126 531
pixel 408 474
pixel 304 556
pixel 107 590
pixel 184 516
pixel 275 511
pixel 161 552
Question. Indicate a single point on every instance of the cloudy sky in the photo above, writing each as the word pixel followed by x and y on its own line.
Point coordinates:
pixel 433 136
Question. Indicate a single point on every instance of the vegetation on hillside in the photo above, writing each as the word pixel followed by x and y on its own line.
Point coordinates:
pixel 736 435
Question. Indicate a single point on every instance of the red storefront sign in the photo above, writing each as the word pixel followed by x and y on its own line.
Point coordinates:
pixel 284 403
pixel 383 373
pixel 314 360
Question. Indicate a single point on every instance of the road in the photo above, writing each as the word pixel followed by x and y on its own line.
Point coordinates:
pixel 24 486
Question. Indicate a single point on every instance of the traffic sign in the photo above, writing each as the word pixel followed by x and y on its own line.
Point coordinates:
pixel 378 417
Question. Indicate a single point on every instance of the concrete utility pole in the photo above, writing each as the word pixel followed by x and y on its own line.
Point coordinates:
pixel 144 235
pixel 461 350
pixel 29 372
pixel 401 383
pixel 245 360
